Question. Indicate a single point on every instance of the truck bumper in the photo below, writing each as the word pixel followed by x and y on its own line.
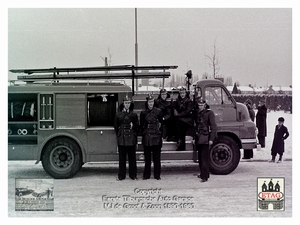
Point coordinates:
pixel 249 143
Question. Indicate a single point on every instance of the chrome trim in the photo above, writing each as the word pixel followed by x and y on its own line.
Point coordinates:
pixel 246 141
pixel 100 128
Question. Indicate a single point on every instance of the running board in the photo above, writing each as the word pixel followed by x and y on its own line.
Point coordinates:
pixel 171 155
pixel 169 146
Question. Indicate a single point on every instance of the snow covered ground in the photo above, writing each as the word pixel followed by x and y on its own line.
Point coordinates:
pixel 272 121
pixel 232 195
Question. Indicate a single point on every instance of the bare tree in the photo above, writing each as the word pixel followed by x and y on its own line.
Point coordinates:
pixel 172 82
pixel 214 61
pixel 228 81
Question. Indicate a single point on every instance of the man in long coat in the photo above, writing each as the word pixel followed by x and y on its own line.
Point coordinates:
pixel 261 122
pixel 281 133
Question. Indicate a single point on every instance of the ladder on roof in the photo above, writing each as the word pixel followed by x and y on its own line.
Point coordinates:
pixel 84 73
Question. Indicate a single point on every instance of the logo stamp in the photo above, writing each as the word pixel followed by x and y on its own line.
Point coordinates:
pixel 270 194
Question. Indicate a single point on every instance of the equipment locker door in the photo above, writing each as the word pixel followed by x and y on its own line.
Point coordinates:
pixel 101 140
pixel 101 111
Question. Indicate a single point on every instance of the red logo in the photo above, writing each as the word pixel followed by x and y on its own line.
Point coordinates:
pixel 270 195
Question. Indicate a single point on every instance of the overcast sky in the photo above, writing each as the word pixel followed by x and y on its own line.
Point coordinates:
pixel 254 45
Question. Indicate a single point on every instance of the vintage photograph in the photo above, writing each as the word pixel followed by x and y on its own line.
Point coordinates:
pixel 34 195
pixel 150 112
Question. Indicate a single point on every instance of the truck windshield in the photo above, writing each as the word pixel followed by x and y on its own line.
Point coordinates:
pixel 216 96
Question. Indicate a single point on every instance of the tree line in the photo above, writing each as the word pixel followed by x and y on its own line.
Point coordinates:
pixel 274 102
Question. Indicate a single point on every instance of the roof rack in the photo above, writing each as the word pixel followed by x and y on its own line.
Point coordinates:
pixel 76 73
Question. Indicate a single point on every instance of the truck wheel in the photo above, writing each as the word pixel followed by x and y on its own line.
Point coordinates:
pixel 62 158
pixel 224 156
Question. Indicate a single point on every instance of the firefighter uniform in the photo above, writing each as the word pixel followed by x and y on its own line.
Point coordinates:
pixel 206 131
pixel 151 126
pixel 183 109
pixel 126 128
pixel 166 108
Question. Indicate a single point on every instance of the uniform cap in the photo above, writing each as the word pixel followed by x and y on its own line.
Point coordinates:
pixel 200 100
pixel 163 91
pixel 182 89
pixel 281 119
pixel 126 99
pixel 150 97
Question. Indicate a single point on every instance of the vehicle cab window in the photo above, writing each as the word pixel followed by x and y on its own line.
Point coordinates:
pixel 220 103
pixel 217 96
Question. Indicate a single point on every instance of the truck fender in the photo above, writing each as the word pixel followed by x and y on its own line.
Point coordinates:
pixel 231 135
pixel 51 137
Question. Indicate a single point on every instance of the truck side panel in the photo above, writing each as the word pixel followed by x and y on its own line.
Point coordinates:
pixel 22 152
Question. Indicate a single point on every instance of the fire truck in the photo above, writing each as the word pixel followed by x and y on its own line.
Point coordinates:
pixel 64 118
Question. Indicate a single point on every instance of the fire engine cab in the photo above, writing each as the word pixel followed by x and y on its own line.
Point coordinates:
pixel 64 117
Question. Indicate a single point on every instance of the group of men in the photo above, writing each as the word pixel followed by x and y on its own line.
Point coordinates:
pixel 168 120
pixel 281 132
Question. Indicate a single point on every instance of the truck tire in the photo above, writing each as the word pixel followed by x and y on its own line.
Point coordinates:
pixel 224 156
pixel 62 158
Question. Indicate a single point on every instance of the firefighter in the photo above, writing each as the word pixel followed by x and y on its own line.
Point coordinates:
pixel 151 120
pixel 206 131
pixel 126 128
pixel 162 103
pixel 183 109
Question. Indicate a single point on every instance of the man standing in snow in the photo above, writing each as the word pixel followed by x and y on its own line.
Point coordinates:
pixel 281 133
pixel 261 122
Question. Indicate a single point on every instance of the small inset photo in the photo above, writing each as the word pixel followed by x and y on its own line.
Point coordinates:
pixel 34 194
pixel 270 193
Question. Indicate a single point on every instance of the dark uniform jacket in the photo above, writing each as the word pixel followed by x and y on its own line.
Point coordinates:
pixel 151 126
pixel 126 127
pixel 164 106
pixel 261 120
pixel 206 127
pixel 279 136
pixel 184 107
